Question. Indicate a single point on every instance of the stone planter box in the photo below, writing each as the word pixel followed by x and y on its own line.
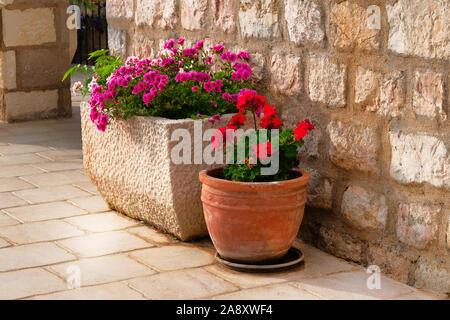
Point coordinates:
pixel 131 166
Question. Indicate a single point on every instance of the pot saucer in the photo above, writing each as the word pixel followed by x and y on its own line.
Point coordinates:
pixel 293 258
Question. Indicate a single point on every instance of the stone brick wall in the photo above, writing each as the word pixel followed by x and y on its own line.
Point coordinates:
pixel 379 160
pixel 35 52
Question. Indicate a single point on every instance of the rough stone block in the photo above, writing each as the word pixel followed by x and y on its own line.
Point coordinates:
pixel 156 13
pixel 392 260
pixel 30 105
pixel 433 274
pixel 383 94
pixel 392 95
pixel 320 190
pixel 350 23
pixel 304 22
pixel 259 19
pixel 224 15
pixel 417 223
pixel 428 95
pixel 353 146
pixel 286 74
pixel 327 81
pixel 448 233
pixel 117 41
pixel 28 27
pixel 367 87
pixel 41 68
pixel 4 3
pixel 193 13
pixel 142 45
pixel 364 209
pixel 419 158
pixel 340 244
pixel 136 175
pixel 8 70
pixel 118 11
pixel 420 28
pixel 257 61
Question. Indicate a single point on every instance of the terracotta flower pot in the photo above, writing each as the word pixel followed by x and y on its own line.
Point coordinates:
pixel 252 222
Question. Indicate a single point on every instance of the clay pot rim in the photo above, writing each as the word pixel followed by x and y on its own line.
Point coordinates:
pixel 206 178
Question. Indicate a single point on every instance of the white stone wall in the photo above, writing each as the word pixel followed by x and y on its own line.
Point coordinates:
pixel 35 52
pixel 379 96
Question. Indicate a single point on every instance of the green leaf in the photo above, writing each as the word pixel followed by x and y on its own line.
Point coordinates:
pixel 84 70
pixel 97 53
pixel 71 71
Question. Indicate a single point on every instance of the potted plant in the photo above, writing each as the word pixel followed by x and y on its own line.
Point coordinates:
pixel 253 209
pixel 131 126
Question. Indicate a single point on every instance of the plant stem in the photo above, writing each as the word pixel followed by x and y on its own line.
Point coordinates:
pixel 254 119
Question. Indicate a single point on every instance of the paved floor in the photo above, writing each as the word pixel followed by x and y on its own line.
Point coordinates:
pixel 55 229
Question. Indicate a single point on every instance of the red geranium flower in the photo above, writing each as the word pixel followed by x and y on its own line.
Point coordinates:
pixel 270 119
pixel 251 101
pixel 303 128
pixel 262 150
pixel 237 121
pixel 221 136
pixel 269 111
pixel 272 123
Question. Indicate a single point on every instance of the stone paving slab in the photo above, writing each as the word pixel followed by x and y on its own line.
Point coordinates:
pixel 417 295
pixel 45 211
pixel 244 280
pixel 29 282
pixel 318 264
pixel 8 200
pixel 16 171
pixel 39 232
pixel 13 149
pixel 32 255
pixel 275 292
pixel 94 271
pixel 59 178
pixel 28 158
pixel 61 155
pixel 87 186
pixel 69 144
pixel 4 243
pixel 354 284
pixel 6 220
pixel 50 194
pixel 61 166
pixel 14 184
pixel 110 291
pixel 152 235
pixel 101 244
pixel 91 203
pixel 174 257
pixel 101 222
pixel 181 284
pixel 24 138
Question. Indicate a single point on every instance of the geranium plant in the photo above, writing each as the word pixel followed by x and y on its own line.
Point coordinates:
pixel 180 83
pixel 281 144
